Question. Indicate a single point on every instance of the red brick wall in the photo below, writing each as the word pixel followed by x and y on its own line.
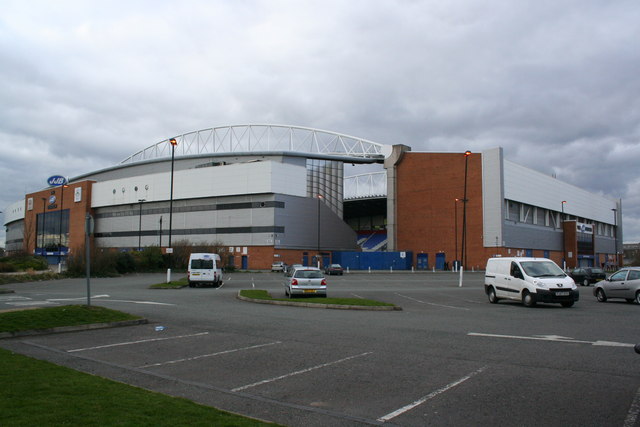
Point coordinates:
pixel 427 186
pixel 77 211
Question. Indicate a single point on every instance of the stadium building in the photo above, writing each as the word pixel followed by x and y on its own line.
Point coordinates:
pixel 278 193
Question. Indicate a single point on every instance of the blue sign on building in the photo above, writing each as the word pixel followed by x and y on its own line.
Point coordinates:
pixel 56 180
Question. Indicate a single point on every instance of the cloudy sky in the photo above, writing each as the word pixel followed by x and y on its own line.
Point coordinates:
pixel 84 84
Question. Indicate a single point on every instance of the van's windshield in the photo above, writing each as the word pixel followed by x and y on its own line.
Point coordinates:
pixel 206 264
pixel 542 269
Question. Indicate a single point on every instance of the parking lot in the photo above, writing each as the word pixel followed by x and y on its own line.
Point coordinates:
pixel 448 358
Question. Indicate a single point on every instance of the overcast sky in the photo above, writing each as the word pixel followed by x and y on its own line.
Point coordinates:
pixel 84 84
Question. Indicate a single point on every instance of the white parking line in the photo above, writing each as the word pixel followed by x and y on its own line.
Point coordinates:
pixel 324 365
pixel 634 411
pixel 136 342
pixel 28 303
pixel 431 303
pixel 430 396
pixel 210 355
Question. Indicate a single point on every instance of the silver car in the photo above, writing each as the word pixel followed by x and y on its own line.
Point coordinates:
pixel 623 283
pixel 305 281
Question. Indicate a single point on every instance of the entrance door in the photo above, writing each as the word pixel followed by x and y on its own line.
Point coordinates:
pixel 423 261
pixel 245 262
pixel 440 257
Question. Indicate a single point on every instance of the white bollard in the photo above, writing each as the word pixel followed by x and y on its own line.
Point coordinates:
pixel 391 269
pixel 369 270
pixel 412 269
pixel 433 270
pixel 168 275
pixel 461 273
pixel 347 270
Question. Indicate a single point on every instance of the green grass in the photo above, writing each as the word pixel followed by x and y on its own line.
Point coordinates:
pixel 174 284
pixel 41 393
pixel 262 294
pixel 22 278
pixel 51 317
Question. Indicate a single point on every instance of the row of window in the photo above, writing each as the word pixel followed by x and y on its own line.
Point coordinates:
pixel 528 214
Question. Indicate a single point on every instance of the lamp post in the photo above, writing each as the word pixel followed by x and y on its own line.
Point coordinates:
pixel 44 213
pixel 455 215
pixel 464 209
pixel 140 225
pixel 319 197
pixel 615 233
pixel 62 187
pixel 564 263
pixel 173 143
pixel 160 234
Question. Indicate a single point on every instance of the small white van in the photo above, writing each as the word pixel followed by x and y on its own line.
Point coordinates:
pixel 204 268
pixel 529 280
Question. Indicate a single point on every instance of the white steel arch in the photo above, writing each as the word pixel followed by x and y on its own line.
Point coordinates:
pixel 261 137
pixel 366 186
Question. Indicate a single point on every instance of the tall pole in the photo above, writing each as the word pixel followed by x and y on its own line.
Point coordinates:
pixel 564 249
pixel 173 151
pixel 319 196
pixel 44 213
pixel 464 209
pixel 455 215
pixel 140 225
pixel 160 234
pixel 615 233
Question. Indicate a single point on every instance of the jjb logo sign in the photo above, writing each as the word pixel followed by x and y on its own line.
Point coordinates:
pixel 56 180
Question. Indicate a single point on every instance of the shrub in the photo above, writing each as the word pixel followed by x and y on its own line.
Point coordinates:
pixel 6 267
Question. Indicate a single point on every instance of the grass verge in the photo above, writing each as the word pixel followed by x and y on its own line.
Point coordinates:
pixel 52 317
pixel 42 393
pixel 174 284
pixel 262 294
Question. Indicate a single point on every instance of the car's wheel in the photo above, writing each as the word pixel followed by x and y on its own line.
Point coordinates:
pixel 600 296
pixel 528 300
pixel 638 297
pixel 567 304
pixel 492 296
pixel 585 282
pixel 630 300
pixel 191 284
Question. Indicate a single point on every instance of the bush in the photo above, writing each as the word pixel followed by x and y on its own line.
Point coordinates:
pixel 6 267
pixel 23 262
pixel 125 263
pixel 150 259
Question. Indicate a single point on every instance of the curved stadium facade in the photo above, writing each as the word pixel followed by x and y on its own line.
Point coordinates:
pixel 278 193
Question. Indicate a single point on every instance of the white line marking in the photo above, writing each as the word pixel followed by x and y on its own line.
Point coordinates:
pixel 77 299
pixel 634 411
pixel 554 338
pixel 28 303
pixel 324 365
pixel 357 296
pixel 139 302
pixel 136 342
pixel 430 396
pixel 430 303
pixel 209 355
pixel 14 298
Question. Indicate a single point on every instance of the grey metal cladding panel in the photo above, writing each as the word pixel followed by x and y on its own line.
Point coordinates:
pixel 530 237
pixel 300 221
pixel 604 245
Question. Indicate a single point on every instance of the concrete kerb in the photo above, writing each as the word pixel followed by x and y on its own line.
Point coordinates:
pixel 316 305
pixel 62 329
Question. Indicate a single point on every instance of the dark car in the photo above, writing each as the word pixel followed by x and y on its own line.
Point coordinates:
pixel 333 269
pixel 586 275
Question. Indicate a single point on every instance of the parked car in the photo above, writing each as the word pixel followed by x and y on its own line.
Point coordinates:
pixel 624 283
pixel 305 281
pixel 290 269
pixel 278 266
pixel 587 275
pixel 333 269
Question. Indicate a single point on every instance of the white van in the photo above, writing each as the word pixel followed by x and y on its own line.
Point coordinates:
pixel 204 268
pixel 529 280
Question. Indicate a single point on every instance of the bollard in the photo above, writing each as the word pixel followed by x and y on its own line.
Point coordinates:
pixel 461 273
pixel 433 270
pixel 347 270
pixel 168 275
pixel 412 269
pixel 391 268
pixel 369 269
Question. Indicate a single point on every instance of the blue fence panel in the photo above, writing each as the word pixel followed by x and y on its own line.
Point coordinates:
pixel 373 260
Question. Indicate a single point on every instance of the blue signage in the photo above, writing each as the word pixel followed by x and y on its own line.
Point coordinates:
pixel 56 180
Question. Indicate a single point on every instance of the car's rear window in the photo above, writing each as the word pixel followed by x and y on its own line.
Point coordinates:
pixel 308 274
pixel 202 263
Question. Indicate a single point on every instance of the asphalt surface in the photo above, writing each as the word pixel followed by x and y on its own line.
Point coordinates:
pixel 448 358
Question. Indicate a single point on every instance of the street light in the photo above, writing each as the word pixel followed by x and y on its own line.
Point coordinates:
pixel 464 209
pixel 615 232
pixel 140 225
pixel 62 187
pixel 44 213
pixel 173 143
pixel 455 215
pixel 160 233
pixel 319 197
pixel 564 263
